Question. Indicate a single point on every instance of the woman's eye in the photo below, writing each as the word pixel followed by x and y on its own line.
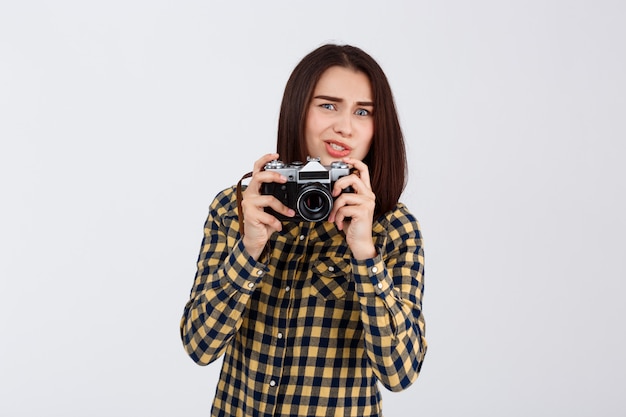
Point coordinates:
pixel 362 112
pixel 328 106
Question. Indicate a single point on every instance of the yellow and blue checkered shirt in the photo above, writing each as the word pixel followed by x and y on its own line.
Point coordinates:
pixel 307 330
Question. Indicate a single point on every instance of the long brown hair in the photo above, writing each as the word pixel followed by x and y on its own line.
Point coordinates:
pixel 386 158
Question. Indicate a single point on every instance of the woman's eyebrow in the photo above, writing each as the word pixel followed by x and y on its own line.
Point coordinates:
pixel 330 98
pixel 340 100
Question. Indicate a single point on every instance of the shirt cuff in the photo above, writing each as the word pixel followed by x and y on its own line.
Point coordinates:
pixel 371 276
pixel 242 271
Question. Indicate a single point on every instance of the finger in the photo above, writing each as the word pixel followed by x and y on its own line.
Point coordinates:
pixel 280 208
pixel 270 221
pixel 342 215
pixel 353 202
pixel 261 162
pixel 270 176
pixel 264 177
pixel 257 217
pixel 252 207
pixel 352 199
pixel 259 202
pixel 354 182
pixel 337 205
pixel 363 170
pixel 354 214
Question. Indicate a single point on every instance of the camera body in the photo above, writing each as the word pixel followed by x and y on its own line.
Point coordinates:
pixel 308 190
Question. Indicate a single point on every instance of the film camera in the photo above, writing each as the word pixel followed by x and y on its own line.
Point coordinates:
pixel 308 188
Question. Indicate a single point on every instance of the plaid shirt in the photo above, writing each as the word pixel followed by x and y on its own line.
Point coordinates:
pixel 307 330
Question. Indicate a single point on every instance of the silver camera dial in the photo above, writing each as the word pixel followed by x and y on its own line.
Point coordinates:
pixel 275 164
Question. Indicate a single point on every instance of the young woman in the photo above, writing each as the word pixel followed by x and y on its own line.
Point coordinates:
pixel 312 315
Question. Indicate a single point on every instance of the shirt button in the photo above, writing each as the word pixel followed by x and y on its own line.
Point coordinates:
pixel 259 272
pixel 279 335
pixel 380 285
pixel 374 269
pixel 331 268
pixel 301 237
pixel 272 383
pixel 250 285
pixel 287 288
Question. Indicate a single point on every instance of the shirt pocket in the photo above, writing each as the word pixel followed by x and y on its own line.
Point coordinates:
pixel 331 279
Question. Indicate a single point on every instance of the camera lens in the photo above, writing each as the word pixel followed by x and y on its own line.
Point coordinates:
pixel 314 202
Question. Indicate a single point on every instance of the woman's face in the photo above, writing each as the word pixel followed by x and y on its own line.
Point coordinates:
pixel 340 119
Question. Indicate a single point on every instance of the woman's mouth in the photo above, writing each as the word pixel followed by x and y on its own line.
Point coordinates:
pixel 336 149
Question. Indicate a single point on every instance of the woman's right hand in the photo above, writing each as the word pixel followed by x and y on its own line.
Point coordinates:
pixel 259 225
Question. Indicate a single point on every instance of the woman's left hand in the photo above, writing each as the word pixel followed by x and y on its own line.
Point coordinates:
pixel 358 206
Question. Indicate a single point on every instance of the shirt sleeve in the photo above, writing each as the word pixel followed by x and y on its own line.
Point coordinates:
pixel 390 288
pixel 225 279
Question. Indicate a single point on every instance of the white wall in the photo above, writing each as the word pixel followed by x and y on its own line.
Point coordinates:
pixel 120 120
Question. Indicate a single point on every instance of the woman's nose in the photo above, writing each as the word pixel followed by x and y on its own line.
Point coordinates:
pixel 343 124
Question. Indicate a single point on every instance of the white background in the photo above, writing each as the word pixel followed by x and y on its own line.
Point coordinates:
pixel 120 120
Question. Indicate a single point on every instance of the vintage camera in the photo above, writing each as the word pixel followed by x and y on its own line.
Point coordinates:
pixel 308 188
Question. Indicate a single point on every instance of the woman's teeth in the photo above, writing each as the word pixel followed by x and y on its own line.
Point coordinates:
pixel 336 147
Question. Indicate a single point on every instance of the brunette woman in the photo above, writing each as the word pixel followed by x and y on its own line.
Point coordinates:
pixel 311 316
